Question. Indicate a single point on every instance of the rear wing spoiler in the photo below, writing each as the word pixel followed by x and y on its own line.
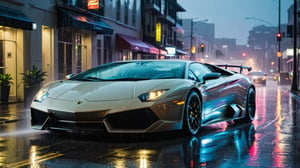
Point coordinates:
pixel 236 66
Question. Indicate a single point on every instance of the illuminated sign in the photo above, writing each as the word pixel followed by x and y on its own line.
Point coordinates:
pixel 158 32
pixel 93 4
pixel 193 49
pixel 279 54
pixel 163 52
pixel 171 51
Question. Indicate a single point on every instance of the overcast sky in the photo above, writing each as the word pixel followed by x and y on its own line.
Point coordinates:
pixel 229 15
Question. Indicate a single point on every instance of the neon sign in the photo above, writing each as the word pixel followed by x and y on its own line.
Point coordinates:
pixel 93 4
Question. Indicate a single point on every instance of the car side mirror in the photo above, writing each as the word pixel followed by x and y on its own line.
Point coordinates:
pixel 210 76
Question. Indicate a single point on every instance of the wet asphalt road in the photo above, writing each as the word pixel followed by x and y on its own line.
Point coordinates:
pixel 272 140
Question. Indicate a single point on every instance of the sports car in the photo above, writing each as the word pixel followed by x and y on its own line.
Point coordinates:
pixel 145 96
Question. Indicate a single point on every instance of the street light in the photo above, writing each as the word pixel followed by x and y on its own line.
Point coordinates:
pixel 278 34
pixel 266 33
pixel 261 20
pixel 193 48
pixel 294 86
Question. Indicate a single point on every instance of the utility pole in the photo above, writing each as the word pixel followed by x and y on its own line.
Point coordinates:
pixel 295 68
pixel 279 32
pixel 191 48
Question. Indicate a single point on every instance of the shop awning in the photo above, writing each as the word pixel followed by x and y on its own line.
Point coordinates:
pixel 290 60
pixel 14 18
pixel 163 52
pixel 130 43
pixel 180 52
pixel 70 18
pixel 152 49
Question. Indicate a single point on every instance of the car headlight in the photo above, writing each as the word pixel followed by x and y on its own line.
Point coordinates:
pixel 41 96
pixel 151 96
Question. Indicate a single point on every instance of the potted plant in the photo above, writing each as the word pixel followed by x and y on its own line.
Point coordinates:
pixel 5 83
pixel 32 81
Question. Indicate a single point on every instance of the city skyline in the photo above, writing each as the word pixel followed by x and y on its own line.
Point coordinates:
pixel 262 11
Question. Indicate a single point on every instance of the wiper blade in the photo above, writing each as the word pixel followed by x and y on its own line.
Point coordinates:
pixel 89 78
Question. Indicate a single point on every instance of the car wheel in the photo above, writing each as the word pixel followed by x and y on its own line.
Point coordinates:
pixel 192 114
pixel 250 105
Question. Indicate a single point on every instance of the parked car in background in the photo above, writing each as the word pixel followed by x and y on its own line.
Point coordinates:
pixel 285 78
pixel 258 77
pixel 144 96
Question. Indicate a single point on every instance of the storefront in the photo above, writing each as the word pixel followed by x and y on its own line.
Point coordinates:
pixel 132 48
pixel 77 33
pixel 13 27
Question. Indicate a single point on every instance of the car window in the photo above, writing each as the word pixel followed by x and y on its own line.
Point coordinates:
pixel 192 76
pixel 198 70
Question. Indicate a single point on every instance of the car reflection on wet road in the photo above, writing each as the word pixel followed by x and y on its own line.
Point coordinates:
pixel 273 140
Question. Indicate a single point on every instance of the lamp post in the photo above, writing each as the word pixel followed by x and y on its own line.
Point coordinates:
pixel 294 86
pixel 271 31
pixel 261 20
pixel 279 54
pixel 193 48
pixel 279 41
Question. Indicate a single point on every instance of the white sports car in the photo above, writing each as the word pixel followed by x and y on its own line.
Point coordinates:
pixel 143 96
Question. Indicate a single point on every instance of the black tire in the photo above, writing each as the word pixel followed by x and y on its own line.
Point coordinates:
pixel 250 105
pixel 192 114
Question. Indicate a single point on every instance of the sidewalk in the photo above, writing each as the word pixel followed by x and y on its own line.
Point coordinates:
pixel 13 112
pixel 295 94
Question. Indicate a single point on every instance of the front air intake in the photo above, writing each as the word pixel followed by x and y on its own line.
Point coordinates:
pixel 135 119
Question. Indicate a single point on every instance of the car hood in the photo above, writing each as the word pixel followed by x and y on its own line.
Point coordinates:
pixel 69 90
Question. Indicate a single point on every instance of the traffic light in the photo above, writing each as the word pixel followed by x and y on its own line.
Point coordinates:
pixel 289 31
pixel 278 36
pixel 244 54
pixel 202 46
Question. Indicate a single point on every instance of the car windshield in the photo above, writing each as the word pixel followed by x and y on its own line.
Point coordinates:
pixel 133 71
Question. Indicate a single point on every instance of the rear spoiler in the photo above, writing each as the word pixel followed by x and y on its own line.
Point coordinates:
pixel 236 66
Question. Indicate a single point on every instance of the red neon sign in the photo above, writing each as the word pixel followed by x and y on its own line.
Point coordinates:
pixel 93 4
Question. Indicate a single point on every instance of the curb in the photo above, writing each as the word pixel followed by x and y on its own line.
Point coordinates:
pixel 4 121
pixel 295 94
pixel 8 103
pixel 6 116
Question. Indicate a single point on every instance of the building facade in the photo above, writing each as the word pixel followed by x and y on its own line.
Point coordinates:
pixel 161 26
pixel 69 36
pixel 198 39
pixel 263 47
pixel 26 39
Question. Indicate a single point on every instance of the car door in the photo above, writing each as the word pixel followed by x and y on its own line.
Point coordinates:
pixel 212 91
pixel 232 92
